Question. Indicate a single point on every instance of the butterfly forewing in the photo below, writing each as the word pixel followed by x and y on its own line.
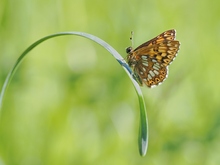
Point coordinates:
pixel 151 59
pixel 167 35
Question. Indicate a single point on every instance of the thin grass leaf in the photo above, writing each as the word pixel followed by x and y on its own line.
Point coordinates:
pixel 143 127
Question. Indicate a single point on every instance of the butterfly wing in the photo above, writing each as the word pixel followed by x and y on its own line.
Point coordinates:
pixel 150 72
pixel 153 58
pixel 167 35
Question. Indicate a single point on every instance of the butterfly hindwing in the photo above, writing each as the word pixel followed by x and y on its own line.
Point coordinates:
pixel 151 72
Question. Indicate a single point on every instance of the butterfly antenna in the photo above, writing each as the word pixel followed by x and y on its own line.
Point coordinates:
pixel 131 39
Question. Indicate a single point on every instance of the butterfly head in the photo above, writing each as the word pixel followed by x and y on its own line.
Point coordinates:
pixel 128 49
pixel 131 59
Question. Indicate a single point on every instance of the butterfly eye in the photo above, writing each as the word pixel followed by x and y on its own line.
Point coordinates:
pixel 128 50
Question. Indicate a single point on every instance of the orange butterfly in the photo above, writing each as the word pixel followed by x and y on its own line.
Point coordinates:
pixel 150 60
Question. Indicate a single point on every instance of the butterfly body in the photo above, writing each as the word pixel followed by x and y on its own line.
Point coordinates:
pixel 150 60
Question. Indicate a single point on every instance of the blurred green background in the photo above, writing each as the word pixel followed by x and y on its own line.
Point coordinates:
pixel 71 103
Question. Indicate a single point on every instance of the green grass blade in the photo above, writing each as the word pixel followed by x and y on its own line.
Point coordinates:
pixel 143 129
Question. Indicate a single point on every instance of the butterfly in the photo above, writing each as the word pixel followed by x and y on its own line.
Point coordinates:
pixel 150 60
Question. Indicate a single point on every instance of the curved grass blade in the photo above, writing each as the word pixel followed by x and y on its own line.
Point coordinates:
pixel 143 127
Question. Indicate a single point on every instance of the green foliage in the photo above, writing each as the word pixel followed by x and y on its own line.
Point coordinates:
pixel 48 119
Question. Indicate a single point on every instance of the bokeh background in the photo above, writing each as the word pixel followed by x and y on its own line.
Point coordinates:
pixel 71 103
